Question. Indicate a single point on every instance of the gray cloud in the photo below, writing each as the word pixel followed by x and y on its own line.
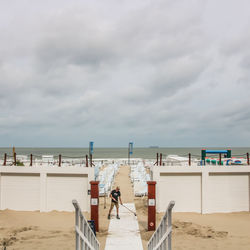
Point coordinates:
pixel 154 72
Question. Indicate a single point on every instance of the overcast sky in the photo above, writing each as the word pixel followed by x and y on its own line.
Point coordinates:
pixel 166 73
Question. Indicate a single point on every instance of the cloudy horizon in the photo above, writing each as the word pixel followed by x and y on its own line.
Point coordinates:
pixel 165 73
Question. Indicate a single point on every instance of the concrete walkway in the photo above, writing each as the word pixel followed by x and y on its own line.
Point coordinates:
pixel 124 234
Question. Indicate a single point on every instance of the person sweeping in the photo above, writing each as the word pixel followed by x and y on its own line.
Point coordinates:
pixel 114 195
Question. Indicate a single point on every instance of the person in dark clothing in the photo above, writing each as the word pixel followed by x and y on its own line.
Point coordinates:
pixel 114 195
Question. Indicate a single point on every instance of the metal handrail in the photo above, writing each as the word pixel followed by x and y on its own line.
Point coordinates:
pixel 85 238
pixel 161 239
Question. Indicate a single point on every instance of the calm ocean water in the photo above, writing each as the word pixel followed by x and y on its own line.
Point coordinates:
pixel 147 153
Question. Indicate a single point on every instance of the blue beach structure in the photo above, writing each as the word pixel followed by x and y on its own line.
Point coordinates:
pixel 204 152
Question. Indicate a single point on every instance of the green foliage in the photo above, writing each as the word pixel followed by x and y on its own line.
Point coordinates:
pixel 19 163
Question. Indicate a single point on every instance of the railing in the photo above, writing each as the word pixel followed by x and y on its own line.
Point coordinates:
pixel 163 234
pixel 85 238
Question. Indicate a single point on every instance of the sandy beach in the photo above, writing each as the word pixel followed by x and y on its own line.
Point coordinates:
pixel 55 230
pixel 35 230
pixel 196 231
pixel 190 230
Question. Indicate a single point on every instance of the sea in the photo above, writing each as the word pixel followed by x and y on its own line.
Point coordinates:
pixel 113 153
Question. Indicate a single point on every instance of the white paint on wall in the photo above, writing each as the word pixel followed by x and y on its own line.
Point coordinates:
pixel 20 192
pixel 228 193
pixel 186 194
pixel 44 188
pixel 209 189
pixel 61 189
pixel 43 192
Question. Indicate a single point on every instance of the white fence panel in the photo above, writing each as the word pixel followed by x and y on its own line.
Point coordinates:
pixel 162 237
pixel 85 237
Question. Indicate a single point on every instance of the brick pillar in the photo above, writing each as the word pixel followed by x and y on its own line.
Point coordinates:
pixel 151 205
pixel 94 203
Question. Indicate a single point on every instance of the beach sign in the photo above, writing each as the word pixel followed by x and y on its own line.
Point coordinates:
pixel 91 147
pixel 131 148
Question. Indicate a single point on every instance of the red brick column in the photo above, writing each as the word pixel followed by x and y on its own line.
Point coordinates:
pixel 94 203
pixel 151 205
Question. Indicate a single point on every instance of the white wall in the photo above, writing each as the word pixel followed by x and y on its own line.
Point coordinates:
pixel 186 195
pixel 208 189
pixel 61 189
pixel 20 191
pixel 44 188
pixel 228 193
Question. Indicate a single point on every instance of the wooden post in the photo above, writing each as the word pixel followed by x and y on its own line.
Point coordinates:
pixel 151 205
pixel 157 159
pixel 90 160
pixel 31 160
pixel 203 156
pixel 94 203
pixel 219 159
pixel 60 160
pixel 248 159
pixel 14 151
pixel 160 159
pixel 5 159
pixel 128 157
pixel 91 145
pixel 87 161
pixel 15 159
pixel 189 159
